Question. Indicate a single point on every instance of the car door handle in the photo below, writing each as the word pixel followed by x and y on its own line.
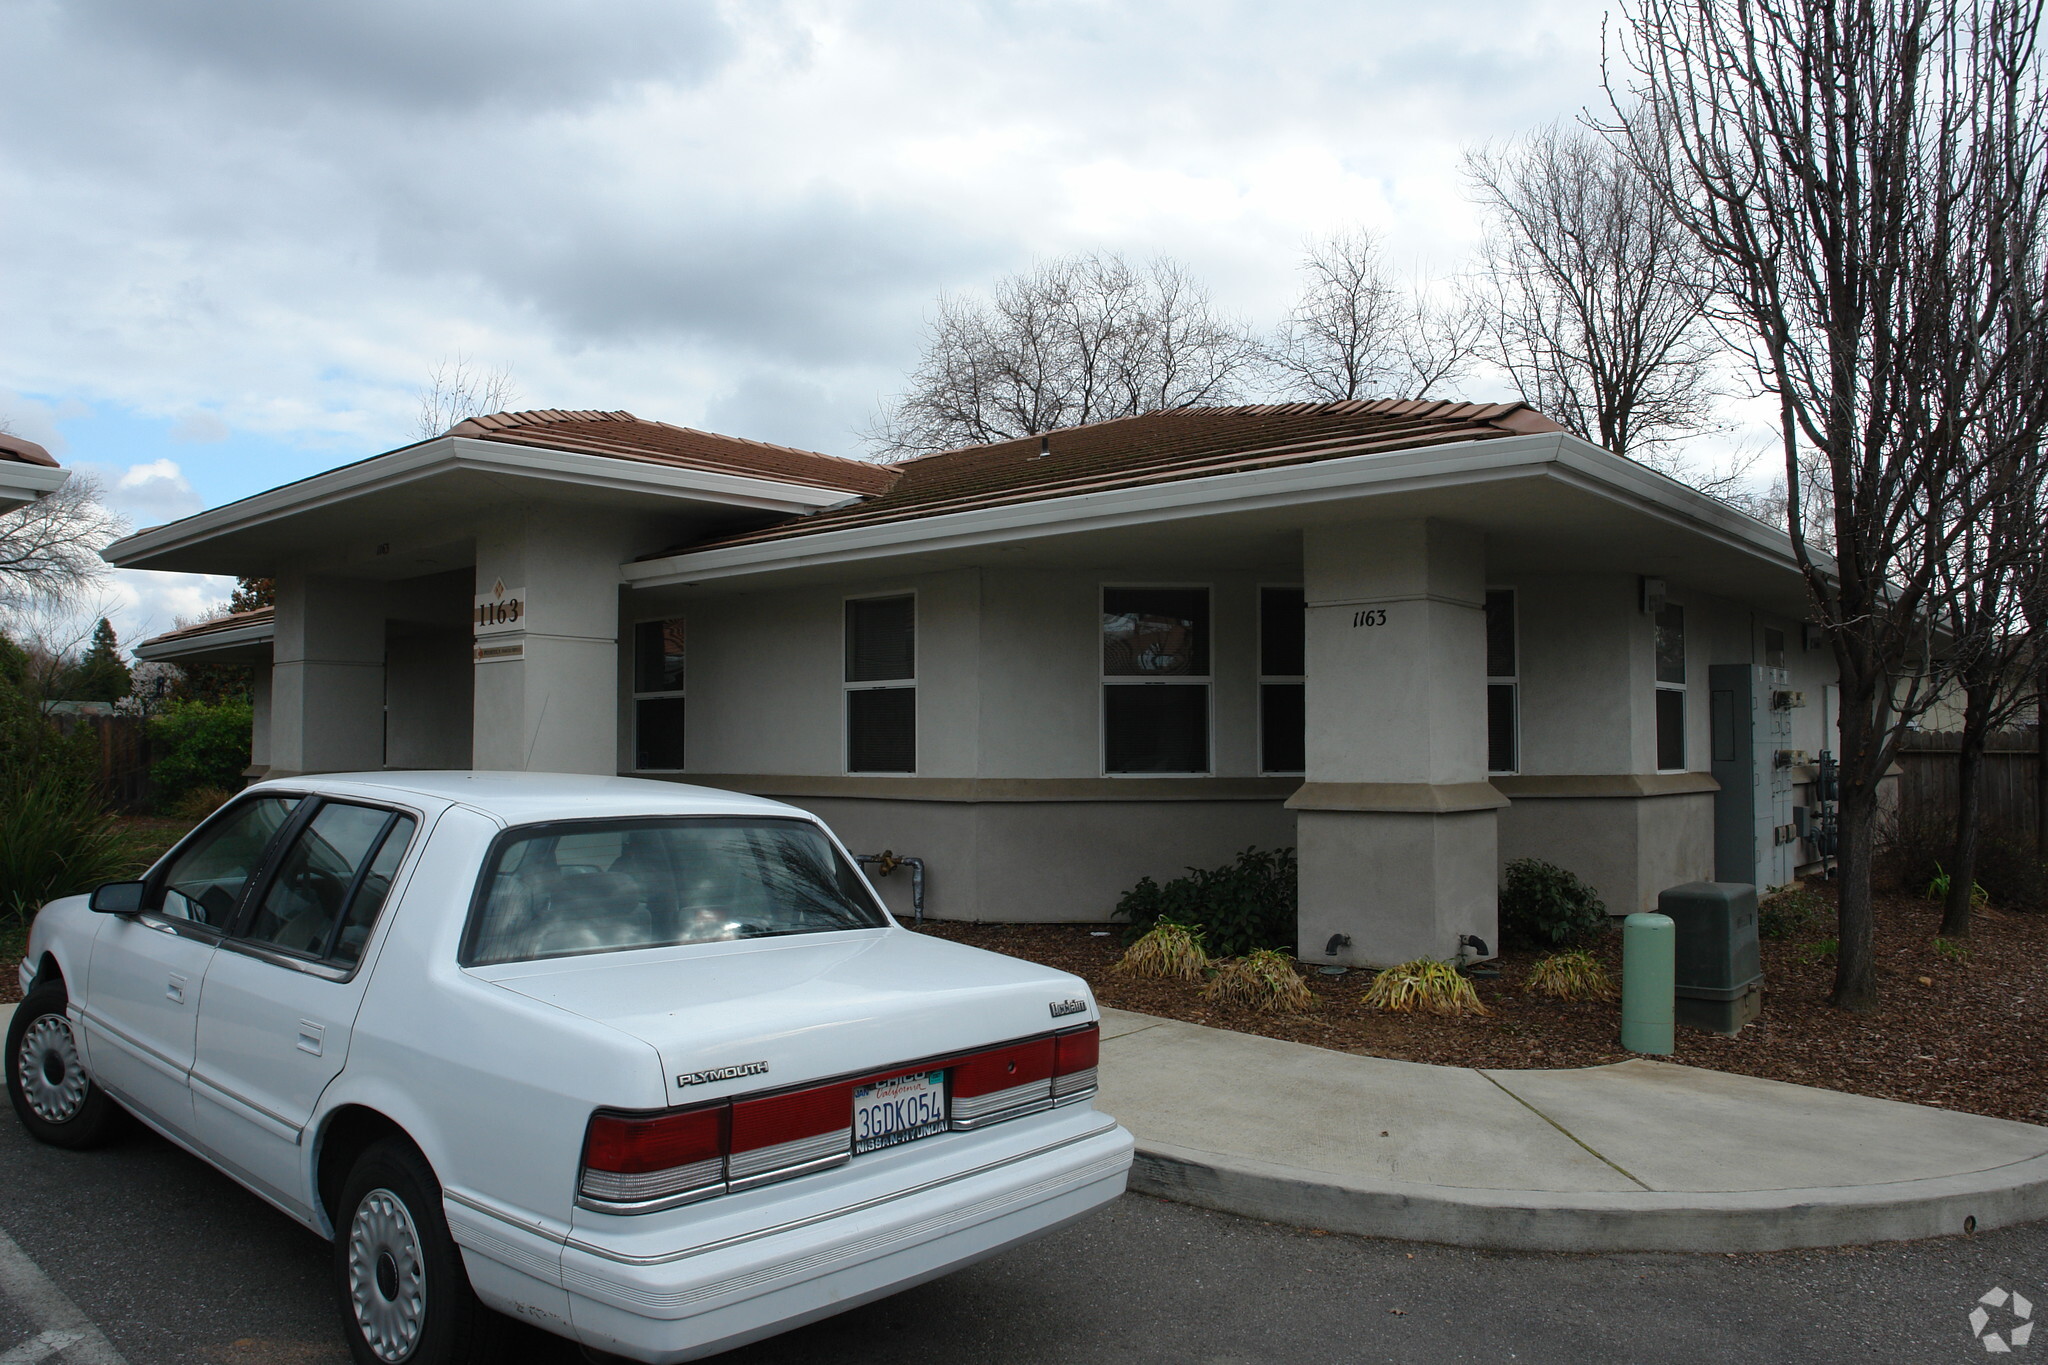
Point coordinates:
pixel 311 1036
pixel 176 989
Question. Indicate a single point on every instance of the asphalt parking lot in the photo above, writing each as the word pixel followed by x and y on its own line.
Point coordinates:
pixel 175 1265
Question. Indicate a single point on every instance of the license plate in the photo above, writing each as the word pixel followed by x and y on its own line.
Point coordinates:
pixel 899 1110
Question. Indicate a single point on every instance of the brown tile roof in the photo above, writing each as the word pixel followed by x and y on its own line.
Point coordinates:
pixel 234 620
pixel 626 437
pixel 23 451
pixel 1157 447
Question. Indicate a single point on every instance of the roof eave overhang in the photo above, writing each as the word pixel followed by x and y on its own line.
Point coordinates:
pixel 1339 478
pixel 241 640
pixel 22 483
pixel 457 454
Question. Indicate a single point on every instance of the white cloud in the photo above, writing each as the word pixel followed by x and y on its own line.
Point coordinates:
pixel 147 494
pixel 199 428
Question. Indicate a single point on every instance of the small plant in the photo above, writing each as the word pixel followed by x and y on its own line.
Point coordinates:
pixel 1576 975
pixel 1263 980
pixel 1246 904
pixel 1169 950
pixel 1544 906
pixel 1954 950
pixel 1788 912
pixel 1938 888
pixel 1819 950
pixel 1424 986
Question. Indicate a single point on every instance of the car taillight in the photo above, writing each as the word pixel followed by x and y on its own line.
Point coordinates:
pixel 1074 1056
pixel 1002 1083
pixel 671 1159
pixel 635 1163
pixel 785 1135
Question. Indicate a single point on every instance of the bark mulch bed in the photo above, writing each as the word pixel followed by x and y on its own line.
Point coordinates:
pixel 1964 1029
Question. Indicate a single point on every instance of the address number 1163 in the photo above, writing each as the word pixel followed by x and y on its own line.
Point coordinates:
pixel 1369 617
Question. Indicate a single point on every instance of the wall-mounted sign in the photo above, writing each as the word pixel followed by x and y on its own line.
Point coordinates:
pixel 500 609
pixel 497 654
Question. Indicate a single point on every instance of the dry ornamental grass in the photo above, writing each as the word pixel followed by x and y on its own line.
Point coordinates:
pixel 1170 951
pixel 1264 980
pixel 1424 986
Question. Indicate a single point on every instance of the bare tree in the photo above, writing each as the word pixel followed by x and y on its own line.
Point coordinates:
pixel 50 548
pixel 456 392
pixel 1358 332
pixel 1594 295
pixel 1856 175
pixel 1078 339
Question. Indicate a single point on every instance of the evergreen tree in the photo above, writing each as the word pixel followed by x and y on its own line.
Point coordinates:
pixel 101 675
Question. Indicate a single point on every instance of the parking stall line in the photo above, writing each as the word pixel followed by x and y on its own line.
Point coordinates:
pixel 64 1332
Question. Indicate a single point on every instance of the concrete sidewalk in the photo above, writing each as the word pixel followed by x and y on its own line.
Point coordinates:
pixel 1637 1156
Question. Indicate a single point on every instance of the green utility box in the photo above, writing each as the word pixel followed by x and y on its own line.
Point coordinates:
pixel 1719 978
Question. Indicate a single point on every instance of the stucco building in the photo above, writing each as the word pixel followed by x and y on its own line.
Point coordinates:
pixel 1413 639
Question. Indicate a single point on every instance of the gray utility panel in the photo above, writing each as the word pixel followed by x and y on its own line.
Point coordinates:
pixel 1754 830
pixel 1717 974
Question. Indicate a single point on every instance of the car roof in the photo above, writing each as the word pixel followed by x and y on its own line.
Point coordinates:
pixel 523 798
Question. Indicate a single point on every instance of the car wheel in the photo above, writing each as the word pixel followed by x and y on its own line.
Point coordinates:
pixel 54 1095
pixel 405 1297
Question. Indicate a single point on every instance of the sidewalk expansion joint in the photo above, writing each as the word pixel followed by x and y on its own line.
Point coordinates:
pixel 1624 1173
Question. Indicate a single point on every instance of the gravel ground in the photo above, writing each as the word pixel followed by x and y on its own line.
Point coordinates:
pixel 1963 1030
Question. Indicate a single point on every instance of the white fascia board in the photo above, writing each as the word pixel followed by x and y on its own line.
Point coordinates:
pixel 27 482
pixel 1343 477
pixel 261 633
pixel 454 453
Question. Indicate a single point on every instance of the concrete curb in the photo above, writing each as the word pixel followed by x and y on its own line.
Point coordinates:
pixel 1518 1220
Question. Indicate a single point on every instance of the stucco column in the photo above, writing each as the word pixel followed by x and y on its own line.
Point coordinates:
pixel 1396 820
pixel 259 722
pixel 547 692
pixel 327 676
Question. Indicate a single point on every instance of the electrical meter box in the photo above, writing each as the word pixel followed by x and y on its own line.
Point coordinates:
pixel 1753 760
pixel 1718 977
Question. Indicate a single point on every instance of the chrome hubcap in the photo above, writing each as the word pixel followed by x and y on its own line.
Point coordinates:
pixel 387 1281
pixel 53 1080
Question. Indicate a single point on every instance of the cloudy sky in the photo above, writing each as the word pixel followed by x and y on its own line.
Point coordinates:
pixel 239 234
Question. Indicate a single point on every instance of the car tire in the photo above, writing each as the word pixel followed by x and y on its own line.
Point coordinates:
pixel 54 1096
pixel 405 1295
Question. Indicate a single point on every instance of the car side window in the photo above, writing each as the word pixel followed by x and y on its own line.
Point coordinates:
pixel 332 866
pixel 371 893
pixel 206 881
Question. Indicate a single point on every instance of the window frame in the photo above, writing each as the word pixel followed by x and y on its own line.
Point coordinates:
pixel 1511 681
pixel 1105 681
pixel 327 968
pixel 678 694
pixel 1680 688
pixel 1279 679
pixel 153 880
pixel 847 687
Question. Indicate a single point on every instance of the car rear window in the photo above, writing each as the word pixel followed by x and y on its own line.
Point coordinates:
pixel 605 885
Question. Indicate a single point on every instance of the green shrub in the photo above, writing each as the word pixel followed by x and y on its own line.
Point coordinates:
pixel 1544 906
pixel 1242 906
pixel 198 744
pixel 2009 871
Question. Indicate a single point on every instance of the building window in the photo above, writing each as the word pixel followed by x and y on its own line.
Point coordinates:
pixel 1283 724
pixel 1503 684
pixel 1155 680
pixel 881 684
pixel 1671 688
pixel 658 695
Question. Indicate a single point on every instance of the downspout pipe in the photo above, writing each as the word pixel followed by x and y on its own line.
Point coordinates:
pixel 886 862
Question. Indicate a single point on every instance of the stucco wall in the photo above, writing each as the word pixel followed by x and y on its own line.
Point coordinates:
pixel 427 696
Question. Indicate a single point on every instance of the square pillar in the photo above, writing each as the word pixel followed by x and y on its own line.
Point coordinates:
pixel 547 690
pixel 1396 820
pixel 327 676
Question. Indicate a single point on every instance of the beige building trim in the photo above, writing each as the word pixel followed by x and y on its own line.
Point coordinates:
pixel 1595 785
pixel 1412 798
pixel 986 789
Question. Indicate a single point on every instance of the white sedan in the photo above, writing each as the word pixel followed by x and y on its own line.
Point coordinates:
pixel 645 1064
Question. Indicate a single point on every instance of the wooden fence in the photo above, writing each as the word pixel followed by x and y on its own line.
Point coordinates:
pixel 1927 789
pixel 124 757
